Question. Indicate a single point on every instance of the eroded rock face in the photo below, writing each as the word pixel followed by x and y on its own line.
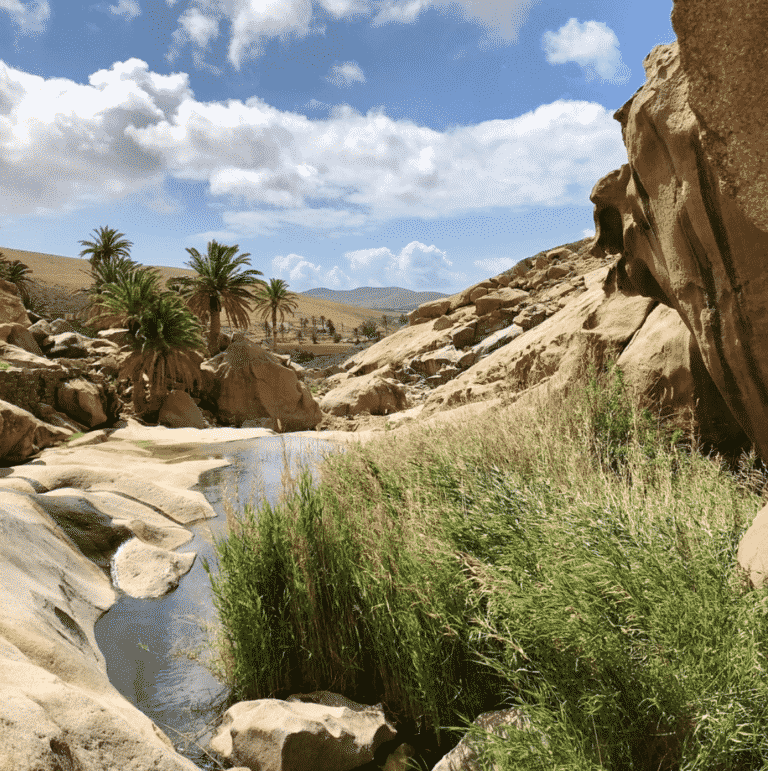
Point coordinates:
pixel 12 310
pixel 180 411
pixel 688 212
pixel 22 434
pixel 248 382
pixel 373 393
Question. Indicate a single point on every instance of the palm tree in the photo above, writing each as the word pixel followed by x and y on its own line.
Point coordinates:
pixel 123 300
pixel 166 349
pixel 275 298
pixel 106 245
pixel 220 284
pixel 17 273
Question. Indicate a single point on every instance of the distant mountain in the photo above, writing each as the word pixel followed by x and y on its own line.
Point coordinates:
pixel 385 298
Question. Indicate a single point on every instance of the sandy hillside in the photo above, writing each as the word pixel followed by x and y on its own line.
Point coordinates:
pixel 58 278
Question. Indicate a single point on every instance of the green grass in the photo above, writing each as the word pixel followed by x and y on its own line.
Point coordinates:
pixel 4 365
pixel 576 558
pixel 76 435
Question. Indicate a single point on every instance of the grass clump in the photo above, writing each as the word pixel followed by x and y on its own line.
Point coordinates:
pixel 575 558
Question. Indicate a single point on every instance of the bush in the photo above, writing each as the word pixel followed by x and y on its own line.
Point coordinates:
pixel 336 337
pixel 368 329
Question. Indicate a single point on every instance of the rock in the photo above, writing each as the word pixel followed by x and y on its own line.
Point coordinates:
pixel 111 364
pixel 400 759
pixel 22 434
pixel 430 310
pixel 502 279
pixel 442 322
pixel 753 550
pixel 502 298
pixel 688 211
pixel 592 320
pixel 492 321
pixel 146 571
pixel 531 316
pixel 42 331
pixel 274 735
pixel 522 268
pixel 464 335
pixel 558 271
pixel 371 393
pixel 83 401
pixel 246 381
pixel 180 411
pixel 465 757
pixel 542 261
pixel 12 310
pixel 20 336
pixel 536 279
pixel 69 345
pixel 477 293
pixel 58 326
pixel 662 363
pixel 57 708
pixel 497 340
pixel 432 362
pixel 19 357
pixel 561 253
pixel 117 336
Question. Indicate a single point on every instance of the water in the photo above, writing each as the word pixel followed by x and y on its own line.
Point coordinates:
pixel 147 643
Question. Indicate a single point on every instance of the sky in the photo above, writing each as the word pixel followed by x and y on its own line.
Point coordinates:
pixel 427 144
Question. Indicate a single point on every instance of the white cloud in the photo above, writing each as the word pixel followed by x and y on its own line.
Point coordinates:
pixel 128 8
pixel 197 27
pixel 416 265
pixel 301 274
pixel 501 19
pixel 588 233
pixel 345 8
pixel 63 143
pixel 345 74
pixel 593 45
pixel 30 17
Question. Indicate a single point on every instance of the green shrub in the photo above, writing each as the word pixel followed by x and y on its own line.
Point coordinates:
pixel 368 329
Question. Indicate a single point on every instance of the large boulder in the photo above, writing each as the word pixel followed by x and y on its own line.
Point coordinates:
pixel 12 310
pixel 22 434
pixel 688 212
pixel 20 336
pixel 83 401
pixel 248 382
pixel 69 345
pixel 274 735
pixel 180 411
pixel 374 393
pixel 145 571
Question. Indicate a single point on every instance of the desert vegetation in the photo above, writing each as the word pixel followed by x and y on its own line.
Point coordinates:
pixel 577 560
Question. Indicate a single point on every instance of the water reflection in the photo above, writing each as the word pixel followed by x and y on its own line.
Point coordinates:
pixel 147 644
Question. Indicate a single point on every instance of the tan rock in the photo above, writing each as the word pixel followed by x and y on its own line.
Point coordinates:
pixel 247 381
pixel 83 401
pixel 443 322
pixel 683 229
pixel 433 309
pixel 12 310
pixel 561 253
pixel 558 271
pixel 22 434
pixel 464 335
pixel 477 293
pixel 370 393
pixel 522 268
pixel 501 298
pixel 662 363
pixel 117 336
pixel 20 336
pixel 542 261
pixel 531 316
pixel 19 357
pixel 753 550
pixel 274 735
pixel 146 571
pixel 180 411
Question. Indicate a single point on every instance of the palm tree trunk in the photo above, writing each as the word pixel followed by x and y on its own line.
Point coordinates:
pixel 213 335
pixel 274 328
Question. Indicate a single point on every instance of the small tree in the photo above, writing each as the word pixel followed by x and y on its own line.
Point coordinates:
pixel 275 298
pixel 18 274
pixel 385 322
pixel 331 327
pixel 368 329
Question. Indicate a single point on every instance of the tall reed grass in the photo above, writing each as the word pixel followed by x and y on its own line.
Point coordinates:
pixel 576 558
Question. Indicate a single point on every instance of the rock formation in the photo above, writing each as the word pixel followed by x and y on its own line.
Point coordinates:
pixel 687 213
pixel 248 382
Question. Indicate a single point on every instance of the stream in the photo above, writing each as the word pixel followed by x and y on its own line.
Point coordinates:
pixel 144 642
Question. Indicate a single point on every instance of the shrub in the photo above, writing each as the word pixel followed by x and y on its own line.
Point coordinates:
pixel 336 337
pixel 368 329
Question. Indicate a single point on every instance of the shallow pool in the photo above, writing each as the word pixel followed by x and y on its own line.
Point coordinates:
pixel 147 644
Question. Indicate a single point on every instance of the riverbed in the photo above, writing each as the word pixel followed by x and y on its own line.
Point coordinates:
pixel 156 649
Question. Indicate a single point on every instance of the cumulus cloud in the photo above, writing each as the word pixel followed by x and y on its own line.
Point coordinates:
pixel 253 23
pixel 345 74
pixel 62 143
pixel 500 19
pixel 29 17
pixel 491 266
pixel 416 265
pixel 593 45
pixel 129 9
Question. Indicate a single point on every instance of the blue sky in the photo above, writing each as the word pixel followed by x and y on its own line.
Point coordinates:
pixel 342 143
